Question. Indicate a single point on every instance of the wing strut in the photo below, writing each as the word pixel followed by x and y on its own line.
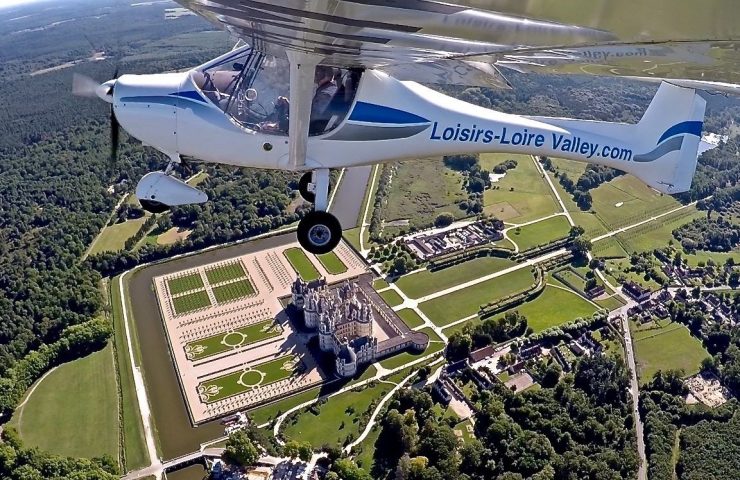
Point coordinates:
pixel 302 68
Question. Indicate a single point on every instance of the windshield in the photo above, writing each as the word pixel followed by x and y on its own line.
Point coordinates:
pixel 253 89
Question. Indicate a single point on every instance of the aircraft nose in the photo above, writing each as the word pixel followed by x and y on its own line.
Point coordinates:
pixel 105 90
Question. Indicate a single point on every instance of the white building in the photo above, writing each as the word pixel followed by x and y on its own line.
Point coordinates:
pixel 344 319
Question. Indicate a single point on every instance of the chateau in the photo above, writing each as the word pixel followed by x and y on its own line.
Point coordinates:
pixel 343 317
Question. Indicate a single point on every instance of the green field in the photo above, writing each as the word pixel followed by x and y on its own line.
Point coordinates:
pixel 657 233
pixel 608 248
pixel 224 273
pixel 267 413
pixel 223 342
pixel 190 302
pixel 74 410
pixel 531 197
pixel 380 284
pixel 258 375
pixel 391 297
pixel 113 238
pixel 338 418
pixel 554 306
pixel 301 264
pixel 540 233
pixel 636 202
pixel 422 189
pixel 332 263
pixel 462 303
pixel 133 430
pixel 668 348
pixel 410 318
pixel 423 283
pixel 617 270
pixel 233 291
pixel 189 282
pixel 717 257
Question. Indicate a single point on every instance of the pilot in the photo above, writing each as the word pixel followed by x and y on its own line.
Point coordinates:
pixel 326 89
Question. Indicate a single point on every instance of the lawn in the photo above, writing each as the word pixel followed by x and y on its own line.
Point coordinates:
pixel 338 418
pixel 608 248
pixel 113 238
pixel 423 283
pixel 380 284
pixel 301 264
pixel 410 318
pixel 74 410
pixel 133 430
pixel 617 271
pixel 422 189
pixel 520 196
pixel 233 291
pixel 242 381
pixel 462 303
pixel 672 349
pixel 224 273
pixel 554 306
pixel 332 263
pixel 540 233
pixel 191 302
pixel 215 344
pixel 391 297
pixel 268 413
pixel 717 257
pixel 185 284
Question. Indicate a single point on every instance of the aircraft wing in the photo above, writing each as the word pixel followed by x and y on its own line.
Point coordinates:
pixel 469 42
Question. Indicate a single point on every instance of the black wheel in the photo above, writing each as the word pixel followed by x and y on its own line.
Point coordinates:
pixel 153 206
pixel 319 232
pixel 303 188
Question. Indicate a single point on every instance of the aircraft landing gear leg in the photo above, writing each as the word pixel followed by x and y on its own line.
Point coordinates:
pixel 320 232
pixel 304 187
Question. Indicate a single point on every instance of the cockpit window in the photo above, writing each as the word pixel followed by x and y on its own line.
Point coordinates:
pixel 253 89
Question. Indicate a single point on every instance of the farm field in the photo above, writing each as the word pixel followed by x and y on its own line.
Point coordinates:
pixel 332 263
pixel 233 291
pixel 338 418
pixel 423 283
pixel 410 318
pixel 113 238
pixel 422 189
pixel 522 194
pixel 74 410
pixel 391 297
pixel 184 284
pixel 191 302
pixel 301 264
pixel 540 233
pixel 223 342
pixel 462 303
pixel 668 348
pixel 244 380
pixel 224 273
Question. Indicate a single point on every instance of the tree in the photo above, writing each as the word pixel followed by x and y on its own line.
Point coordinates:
pixel 240 449
pixel 444 219
pixel 459 346
pixel 576 231
pixel 580 247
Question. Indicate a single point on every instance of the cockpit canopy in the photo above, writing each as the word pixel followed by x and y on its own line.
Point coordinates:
pixel 253 89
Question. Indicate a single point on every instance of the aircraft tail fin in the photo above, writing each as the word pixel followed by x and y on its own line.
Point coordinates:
pixel 672 125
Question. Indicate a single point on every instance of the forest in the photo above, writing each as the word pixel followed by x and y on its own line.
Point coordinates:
pixel 580 428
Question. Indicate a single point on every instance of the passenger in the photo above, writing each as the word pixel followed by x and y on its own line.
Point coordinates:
pixel 326 89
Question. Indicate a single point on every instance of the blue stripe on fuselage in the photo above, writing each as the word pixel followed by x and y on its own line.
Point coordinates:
pixel 371 113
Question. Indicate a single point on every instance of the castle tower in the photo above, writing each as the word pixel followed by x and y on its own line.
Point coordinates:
pixel 298 291
pixel 327 327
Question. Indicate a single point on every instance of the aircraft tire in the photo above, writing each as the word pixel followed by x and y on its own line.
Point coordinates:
pixel 303 188
pixel 153 206
pixel 319 232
